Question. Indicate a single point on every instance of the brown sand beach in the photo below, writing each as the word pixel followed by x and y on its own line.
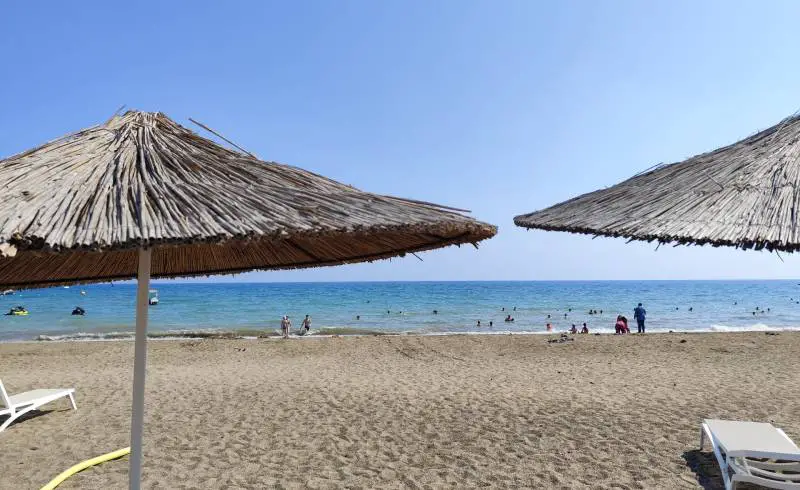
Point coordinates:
pixel 401 412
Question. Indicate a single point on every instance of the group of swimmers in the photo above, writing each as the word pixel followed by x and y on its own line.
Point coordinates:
pixel 508 319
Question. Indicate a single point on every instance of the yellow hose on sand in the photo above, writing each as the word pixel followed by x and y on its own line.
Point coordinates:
pixel 83 465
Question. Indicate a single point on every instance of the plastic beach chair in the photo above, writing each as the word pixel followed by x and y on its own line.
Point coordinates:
pixel 753 452
pixel 16 406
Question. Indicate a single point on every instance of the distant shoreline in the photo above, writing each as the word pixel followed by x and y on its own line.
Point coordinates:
pixel 370 308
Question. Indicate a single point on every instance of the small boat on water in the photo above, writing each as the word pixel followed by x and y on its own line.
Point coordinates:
pixel 152 296
pixel 17 311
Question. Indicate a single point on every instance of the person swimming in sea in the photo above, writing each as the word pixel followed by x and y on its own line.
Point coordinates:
pixel 491 323
pixel 78 311
pixel 549 327
pixel 358 317
pixel 435 312
pixel 479 323
pixel 509 318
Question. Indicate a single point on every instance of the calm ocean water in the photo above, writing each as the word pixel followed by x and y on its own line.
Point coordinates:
pixel 406 307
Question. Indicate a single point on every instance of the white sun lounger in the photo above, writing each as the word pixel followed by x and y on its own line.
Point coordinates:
pixel 754 453
pixel 16 406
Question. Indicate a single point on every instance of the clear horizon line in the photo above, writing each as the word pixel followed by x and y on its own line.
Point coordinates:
pixel 168 281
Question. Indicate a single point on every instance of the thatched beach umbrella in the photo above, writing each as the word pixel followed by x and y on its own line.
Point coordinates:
pixel 746 195
pixel 141 196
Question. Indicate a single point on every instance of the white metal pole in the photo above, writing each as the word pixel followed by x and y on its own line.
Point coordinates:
pixel 139 368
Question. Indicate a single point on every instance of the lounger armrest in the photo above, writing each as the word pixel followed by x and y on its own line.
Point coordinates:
pixel 775 466
pixel 772 475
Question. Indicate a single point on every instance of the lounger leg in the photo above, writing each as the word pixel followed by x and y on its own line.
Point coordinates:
pixel 723 462
pixel 12 417
pixel 17 415
pixel 72 401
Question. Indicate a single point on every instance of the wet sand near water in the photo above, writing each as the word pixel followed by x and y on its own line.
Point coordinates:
pixel 494 411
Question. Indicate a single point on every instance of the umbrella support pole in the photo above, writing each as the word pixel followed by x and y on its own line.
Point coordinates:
pixel 139 368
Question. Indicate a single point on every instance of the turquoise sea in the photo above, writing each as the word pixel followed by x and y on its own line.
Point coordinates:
pixel 403 307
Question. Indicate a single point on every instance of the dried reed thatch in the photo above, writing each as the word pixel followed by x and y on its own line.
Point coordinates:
pixel 745 195
pixel 78 208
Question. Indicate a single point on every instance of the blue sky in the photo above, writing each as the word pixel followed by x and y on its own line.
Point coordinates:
pixel 501 107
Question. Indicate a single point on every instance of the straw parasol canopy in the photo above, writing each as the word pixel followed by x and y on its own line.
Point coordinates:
pixel 142 196
pixel 746 195
pixel 142 180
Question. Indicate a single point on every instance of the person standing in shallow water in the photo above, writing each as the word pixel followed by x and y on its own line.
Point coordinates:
pixel 306 324
pixel 286 325
pixel 639 314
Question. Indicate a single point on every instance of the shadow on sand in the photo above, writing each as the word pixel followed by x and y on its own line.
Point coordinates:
pixel 28 416
pixel 705 467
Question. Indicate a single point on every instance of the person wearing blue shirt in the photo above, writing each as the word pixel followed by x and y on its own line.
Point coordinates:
pixel 639 314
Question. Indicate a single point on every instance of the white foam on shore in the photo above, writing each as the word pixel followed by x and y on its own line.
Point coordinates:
pixel 127 336
pixel 758 327
pixel 351 332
